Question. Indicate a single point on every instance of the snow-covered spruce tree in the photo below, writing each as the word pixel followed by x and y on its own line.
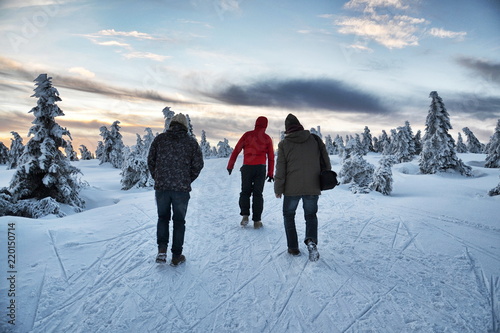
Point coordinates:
pixel 418 142
pixel 190 127
pixel 99 152
pixel 85 154
pixel 384 142
pixel 408 133
pixel 367 141
pixel 473 144
pixel 382 178
pixel 112 146
pixel 402 145
pixel 493 152
pixel 44 173
pixel 70 153
pixel 339 145
pixel 135 172
pixel 16 150
pixel 148 140
pixel 224 149
pixel 461 147
pixel 116 155
pixel 168 115
pixel 390 146
pixel 376 145
pixel 205 145
pixel 360 149
pixel 4 153
pixel 355 170
pixel 438 147
pixel 330 147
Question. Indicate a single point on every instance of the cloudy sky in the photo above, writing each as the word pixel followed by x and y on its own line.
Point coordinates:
pixel 341 65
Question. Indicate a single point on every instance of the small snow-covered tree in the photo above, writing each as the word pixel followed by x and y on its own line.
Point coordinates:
pixel 330 147
pixel 205 145
pixel 43 171
pixel 438 147
pixel 402 145
pixel 408 134
pixel 99 152
pixel 384 142
pixel 112 146
pixel 135 172
pixel 339 145
pixel 190 127
pixel 493 152
pixel 355 170
pixel 461 147
pixel 148 140
pixel 116 155
pixel 224 149
pixel 16 150
pixel 4 153
pixel 418 142
pixel 85 154
pixel 70 153
pixel 382 178
pixel 376 145
pixel 473 144
pixel 390 147
pixel 367 141
pixel 358 147
pixel 167 115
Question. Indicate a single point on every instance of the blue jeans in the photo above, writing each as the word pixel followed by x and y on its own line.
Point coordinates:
pixel 166 202
pixel 253 178
pixel 310 206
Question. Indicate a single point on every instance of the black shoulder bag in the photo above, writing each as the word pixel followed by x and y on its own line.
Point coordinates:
pixel 327 178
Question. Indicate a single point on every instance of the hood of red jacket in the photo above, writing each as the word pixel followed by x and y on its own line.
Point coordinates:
pixel 261 123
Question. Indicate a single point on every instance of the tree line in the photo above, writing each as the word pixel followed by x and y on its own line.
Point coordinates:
pixel 45 177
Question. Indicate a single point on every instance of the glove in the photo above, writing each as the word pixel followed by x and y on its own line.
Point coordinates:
pixel 270 179
pixel 229 170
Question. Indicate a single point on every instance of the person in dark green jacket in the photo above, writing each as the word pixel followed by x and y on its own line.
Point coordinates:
pixel 297 178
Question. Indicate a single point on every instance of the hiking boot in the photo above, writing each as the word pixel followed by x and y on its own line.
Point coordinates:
pixel 244 221
pixel 161 257
pixel 176 260
pixel 294 252
pixel 313 251
pixel 257 224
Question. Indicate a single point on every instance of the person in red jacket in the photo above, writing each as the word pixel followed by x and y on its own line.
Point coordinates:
pixel 256 145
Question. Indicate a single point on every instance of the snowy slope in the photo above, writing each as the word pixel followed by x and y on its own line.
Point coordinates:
pixel 425 259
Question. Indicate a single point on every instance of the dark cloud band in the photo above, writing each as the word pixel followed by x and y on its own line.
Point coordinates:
pixel 325 94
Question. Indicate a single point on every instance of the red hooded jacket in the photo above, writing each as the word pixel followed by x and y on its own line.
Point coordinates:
pixel 256 146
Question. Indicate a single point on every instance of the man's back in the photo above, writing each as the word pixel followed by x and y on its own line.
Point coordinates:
pixel 175 160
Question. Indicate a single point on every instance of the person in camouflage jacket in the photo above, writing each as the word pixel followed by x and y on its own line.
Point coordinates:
pixel 175 160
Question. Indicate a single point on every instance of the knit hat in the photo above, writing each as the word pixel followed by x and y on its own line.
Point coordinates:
pixel 180 119
pixel 292 124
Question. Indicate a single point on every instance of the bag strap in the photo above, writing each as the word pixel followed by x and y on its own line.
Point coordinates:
pixel 321 157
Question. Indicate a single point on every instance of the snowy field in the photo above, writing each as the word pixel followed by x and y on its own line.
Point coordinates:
pixel 425 259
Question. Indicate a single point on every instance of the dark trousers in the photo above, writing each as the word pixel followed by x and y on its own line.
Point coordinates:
pixel 166 202
pixel 252 184
pixel 310 206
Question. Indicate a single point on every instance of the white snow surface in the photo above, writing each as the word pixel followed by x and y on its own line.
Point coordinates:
pixel 424 259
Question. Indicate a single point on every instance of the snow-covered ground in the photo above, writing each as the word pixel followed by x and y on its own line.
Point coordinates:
pixel 425 259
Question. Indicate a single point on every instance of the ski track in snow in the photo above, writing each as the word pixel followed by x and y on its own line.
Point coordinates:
pixel 375 274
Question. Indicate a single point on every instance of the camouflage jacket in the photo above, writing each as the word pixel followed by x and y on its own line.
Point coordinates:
pixel 175 160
